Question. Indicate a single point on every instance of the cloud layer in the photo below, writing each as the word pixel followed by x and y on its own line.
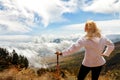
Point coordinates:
pixel 107 27
pixel 22 15
pixel 102 6
pixel 38 49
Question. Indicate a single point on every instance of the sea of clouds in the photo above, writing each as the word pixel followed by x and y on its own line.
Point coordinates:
pixel 36 48
pixel 39 48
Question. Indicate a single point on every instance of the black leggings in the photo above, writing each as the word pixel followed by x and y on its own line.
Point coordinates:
pixel 85 70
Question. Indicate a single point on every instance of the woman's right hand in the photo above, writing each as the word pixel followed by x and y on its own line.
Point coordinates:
pixel 58 53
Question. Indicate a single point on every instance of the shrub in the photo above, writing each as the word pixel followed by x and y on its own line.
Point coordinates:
pixel 7 59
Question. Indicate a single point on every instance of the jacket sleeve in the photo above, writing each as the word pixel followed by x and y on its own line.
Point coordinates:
pixel 110 47
pixel 73 48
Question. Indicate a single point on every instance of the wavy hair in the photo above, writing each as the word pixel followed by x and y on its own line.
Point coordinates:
pixel 92 30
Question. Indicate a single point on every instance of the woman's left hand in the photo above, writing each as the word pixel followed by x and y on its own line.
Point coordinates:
pixel 58 53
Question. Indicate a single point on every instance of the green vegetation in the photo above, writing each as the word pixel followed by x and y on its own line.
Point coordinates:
pixel 7 59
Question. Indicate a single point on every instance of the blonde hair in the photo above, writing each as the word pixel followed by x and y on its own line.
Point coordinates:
pixel 92 30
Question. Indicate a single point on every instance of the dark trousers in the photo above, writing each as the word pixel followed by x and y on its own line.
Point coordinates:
pixel 85 70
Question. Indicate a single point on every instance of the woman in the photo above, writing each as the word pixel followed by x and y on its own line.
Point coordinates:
pixel 94 44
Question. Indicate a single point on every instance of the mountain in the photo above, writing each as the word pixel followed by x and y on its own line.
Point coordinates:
pixel 114 61
pixel 114 37
pixel 58 40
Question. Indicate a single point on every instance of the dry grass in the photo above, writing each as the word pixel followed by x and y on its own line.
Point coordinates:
pixel 30 74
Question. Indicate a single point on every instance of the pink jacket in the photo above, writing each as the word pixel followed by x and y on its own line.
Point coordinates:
pixel 93 50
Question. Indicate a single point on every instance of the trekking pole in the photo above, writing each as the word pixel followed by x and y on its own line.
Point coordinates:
pixel 58 67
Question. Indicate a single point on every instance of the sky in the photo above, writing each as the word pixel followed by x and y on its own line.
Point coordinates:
pixel 36 28
pixel 36 17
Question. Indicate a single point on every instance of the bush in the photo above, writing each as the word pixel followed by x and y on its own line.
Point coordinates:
pixel 7 59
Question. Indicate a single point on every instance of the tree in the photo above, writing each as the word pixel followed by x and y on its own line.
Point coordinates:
pixel 7 59
pixel 4 55
pixel 15 58
pixel 23 62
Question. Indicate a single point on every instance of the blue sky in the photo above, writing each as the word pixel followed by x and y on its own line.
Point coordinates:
pixel 30 26
pixel 36 17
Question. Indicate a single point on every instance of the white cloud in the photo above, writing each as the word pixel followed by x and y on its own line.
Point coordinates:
pixel 73 27
pixel 12 20
pixel 36 52
pixel 107 27
pixel 8 26
pixel 20 15
pixel 15 38
pixel 103 6
pixel 49 11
